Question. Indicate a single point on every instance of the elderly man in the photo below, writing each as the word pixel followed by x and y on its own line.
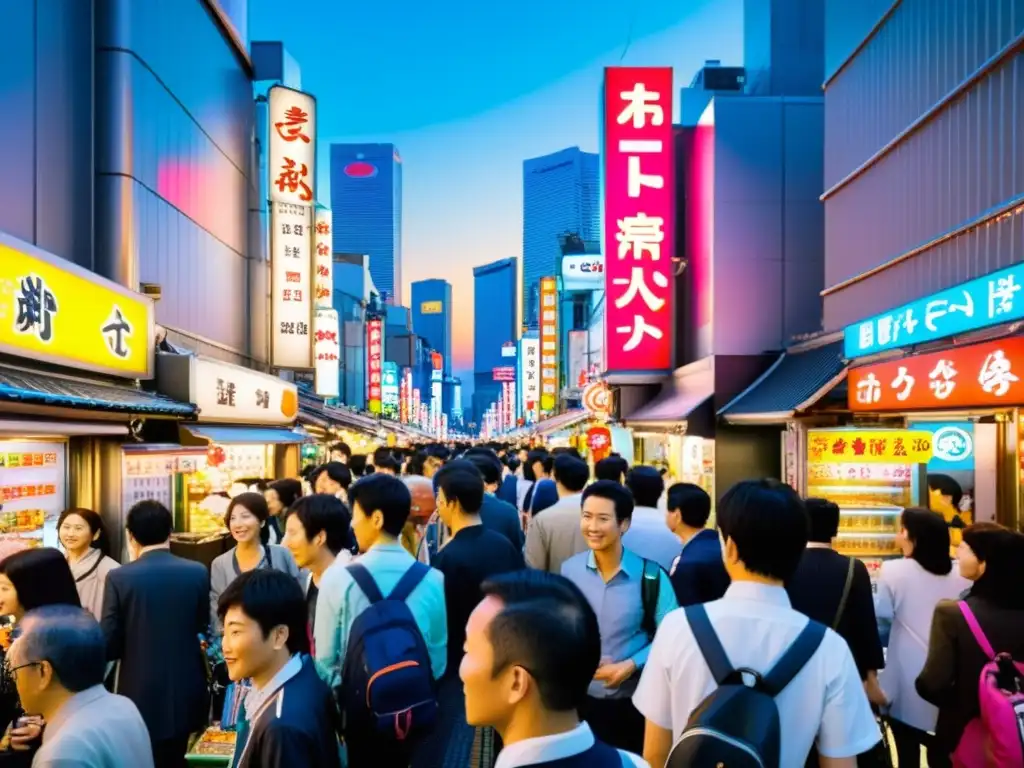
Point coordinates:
pixel 58 663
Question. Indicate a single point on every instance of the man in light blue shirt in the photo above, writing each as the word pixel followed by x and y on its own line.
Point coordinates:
pixel 380 508
pixel 630 595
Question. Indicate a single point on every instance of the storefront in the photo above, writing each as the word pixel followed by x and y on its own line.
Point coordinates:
pixel 72 346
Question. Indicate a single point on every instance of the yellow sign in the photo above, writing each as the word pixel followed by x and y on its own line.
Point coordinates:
pixel 431 308
pixel 869 446
pixel 55 311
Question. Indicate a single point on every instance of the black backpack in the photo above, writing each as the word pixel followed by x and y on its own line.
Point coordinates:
pixel 738 725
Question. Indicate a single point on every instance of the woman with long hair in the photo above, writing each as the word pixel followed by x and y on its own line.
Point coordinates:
pixel 908 591
pixel 991 557
pixel 81 533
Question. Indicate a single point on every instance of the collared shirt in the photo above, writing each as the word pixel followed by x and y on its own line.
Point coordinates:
pixel 257 697
pixel 685 544
pixel 554 535
pixel 649 537
pixel 825 703
pixel 546 749
pixel 620 610
pixel 341 601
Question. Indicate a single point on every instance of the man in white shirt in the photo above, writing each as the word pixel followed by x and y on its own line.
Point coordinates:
pixel 554 536
pixel 648 536
pixel 764 527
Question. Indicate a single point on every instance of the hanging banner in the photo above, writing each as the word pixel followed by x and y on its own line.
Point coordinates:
pixel 374 365
pixel 327 354
pixel 548 345
pixel 639 218
pixel 529 366
pixel 291 286
pixel 405 396
pixel 977 375
pixel 323 286
pixel 291 162
pixel 869 446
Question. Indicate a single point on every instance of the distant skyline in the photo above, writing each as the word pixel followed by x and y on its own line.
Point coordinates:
pixel 466 93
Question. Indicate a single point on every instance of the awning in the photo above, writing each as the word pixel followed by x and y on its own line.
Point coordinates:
pixel 561 421
pixel 234 435
pixel 39 389
pixel 690 387
pixel 794 383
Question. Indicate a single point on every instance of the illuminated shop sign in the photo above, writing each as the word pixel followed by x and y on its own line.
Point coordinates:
pixel 869 446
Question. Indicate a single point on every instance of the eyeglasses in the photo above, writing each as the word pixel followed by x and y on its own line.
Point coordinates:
pixel 12 670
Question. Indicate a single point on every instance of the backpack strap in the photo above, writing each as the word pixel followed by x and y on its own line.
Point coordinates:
pixel 650 587
pixel 975 627
pixel 366 582
pixel 846 595
pixel 710 646
pixel 409 581
pixel 793 659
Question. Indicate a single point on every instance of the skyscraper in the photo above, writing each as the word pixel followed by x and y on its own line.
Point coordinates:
pixel 366 203
pixel 432 316
pixel 561 194
pixel 494 310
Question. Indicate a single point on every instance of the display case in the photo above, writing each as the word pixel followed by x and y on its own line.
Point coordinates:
pixel 33 490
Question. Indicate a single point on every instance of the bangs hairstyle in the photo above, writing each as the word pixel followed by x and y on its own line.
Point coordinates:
pixel 929 534
pixel 271 599
pixel 288 491
pixel 256 505
pixel 41 577
pixel 95 523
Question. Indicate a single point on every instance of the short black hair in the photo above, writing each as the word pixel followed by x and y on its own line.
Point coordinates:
pixel 947 486
pixel 257 505
pixel 548 627
pixel 566 450
pixel 150 523
pixel 823 519
pixel 271 599
pixel 343 449
pixel 929 534
pixel 461 481
pixel 384 458
pixel 385 493
pixel 339 473
pixel 571 472
pixel 95 523
pixel 646 484
pixel 358 465
pixel 537 455
pixel 288 490
pixel 767 522
pixel 70 639
pixel 324 512
pixel 611 468
pixel 41 577
pixel 691 502
pixel 488 463
pixel 616 493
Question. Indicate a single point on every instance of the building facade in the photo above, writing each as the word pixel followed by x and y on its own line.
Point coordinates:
pixel 432 316
pixel 366 204
pixel 924 182
pixel 494 307
pixel 561 195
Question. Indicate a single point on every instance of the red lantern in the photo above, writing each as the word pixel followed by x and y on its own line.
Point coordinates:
pixel 599 442
pixel 215 456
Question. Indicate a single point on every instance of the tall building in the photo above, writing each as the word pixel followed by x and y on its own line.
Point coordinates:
pixel 494 310
pixel 366 204
pixel 561 194
pixel 432 316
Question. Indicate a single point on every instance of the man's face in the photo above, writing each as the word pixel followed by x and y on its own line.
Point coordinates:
pixel 490 698
pixel 31 679
pixel 339 456
pixel 598 524
pixel 246 650
pixel 445 508
pixel 366 527
pixel 304 550
pixel 538 469
pixel 430 466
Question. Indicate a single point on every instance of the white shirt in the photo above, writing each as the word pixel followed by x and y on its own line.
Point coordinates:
pixel 825 703
pixel 545 749
pixel 649 537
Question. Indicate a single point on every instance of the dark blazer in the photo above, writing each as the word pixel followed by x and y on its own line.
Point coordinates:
pixel 699 574
pixel 507 491
pixel 153 612
pixel 502 517
pixel 815 590
pixel 949 679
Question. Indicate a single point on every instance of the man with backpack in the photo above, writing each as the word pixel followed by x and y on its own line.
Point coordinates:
pixel 747 680
pixel 381 629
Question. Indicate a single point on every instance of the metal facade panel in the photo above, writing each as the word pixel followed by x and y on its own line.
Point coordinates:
pixel 923 51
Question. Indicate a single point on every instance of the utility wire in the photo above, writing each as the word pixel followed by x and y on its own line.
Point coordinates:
pixel 629 29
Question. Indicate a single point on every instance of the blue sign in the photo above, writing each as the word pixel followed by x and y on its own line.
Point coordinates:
pixel 979 303
pixel 952 445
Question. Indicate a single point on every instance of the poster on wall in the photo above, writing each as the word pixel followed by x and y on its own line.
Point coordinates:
pixel 33 491
pixel 327 354
pixel 548 345
pixel 291 286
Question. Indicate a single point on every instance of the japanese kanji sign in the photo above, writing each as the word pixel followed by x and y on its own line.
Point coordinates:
pixel 639 215
pixel 291 159
pixel 981 303
pixel 232 394
pixel 374 364
pixel 326 353
pixel 529 371
pixel 869 446
pixel 323 281
pixel 548 345
pixel 291 286
pixel 52 310
pixel 984 374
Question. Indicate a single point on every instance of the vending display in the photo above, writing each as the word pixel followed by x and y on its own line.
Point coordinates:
pixel 33 488
pixel 206 490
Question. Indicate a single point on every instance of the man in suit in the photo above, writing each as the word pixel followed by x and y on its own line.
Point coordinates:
pixel 154 610
pixel 698 574
pixel 555 536
pixel 496 515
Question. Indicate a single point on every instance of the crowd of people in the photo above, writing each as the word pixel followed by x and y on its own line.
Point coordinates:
pixel 498 606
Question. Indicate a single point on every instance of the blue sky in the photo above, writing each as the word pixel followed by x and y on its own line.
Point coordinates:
pixel 468 91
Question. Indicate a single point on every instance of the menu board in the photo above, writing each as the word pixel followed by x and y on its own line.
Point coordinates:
pixel 33 488
pixel 150 476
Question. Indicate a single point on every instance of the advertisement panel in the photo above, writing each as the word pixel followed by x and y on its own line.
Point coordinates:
pixel 323 266
pixel 548 345
pixel 639 211
pixel 977 375
pixel 291 163
pixel 431 308
pixel 980 303
pixel 503 373
pixel 529 364
pixel 291 286
pixel 952 445
pixel 869 446
pixel 54 311
pixel 327 354
pixel 389 391
pixel 583 273
pixel 374 365
pixel 228 393
pixel 508 349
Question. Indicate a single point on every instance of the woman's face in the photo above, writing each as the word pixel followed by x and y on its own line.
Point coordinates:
pixel 904 543
pixel 970 566
pixel 75 534
pixel 244 525
pixel 273 501
pixel 8 598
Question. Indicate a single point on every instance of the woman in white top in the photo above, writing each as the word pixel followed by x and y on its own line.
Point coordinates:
pixel 81 533
pixel 908 591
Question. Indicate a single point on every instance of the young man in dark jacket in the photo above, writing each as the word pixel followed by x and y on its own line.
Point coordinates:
pixel 289 715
